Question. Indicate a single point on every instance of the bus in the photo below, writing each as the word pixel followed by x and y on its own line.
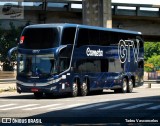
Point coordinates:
pixel 78 59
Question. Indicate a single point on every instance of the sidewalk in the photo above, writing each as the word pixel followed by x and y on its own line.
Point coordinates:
pixel 146 85
pixel 7 80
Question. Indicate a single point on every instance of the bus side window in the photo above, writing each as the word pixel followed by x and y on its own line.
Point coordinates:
pixel 104 38
pixel 64 64
pixel 94 37
pixel 140 64
pixel 83 37
pixel 68 36
pixel 104 65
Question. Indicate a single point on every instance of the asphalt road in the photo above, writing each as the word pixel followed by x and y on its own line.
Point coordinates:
pixel 143 105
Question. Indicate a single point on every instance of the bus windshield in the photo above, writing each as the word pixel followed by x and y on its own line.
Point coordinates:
pixel 40 38
pixel 37 65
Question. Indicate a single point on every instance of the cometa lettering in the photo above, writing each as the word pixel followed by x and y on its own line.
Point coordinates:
pixel 90 52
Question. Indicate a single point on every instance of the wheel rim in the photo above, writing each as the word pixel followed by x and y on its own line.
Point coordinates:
pixel 84 89
pixel 75 89
pixel 124 86
pixel 130 85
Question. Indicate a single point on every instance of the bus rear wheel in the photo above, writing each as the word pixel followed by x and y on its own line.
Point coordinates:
pixel 74 92
pixel 130 86
pixel 124 86
pixel 38 94
pixel 84 89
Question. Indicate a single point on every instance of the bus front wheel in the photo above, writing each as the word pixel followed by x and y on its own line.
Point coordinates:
pixel 38 94
pixel 84 89
pixel 130 86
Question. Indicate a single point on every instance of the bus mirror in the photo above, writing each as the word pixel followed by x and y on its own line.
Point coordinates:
pixel 10 53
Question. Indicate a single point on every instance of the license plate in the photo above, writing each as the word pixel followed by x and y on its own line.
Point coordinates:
pixel 34 90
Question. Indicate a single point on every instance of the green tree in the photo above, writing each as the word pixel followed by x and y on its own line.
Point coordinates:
pixel 151 49
pixel 155 60
pixel 8 39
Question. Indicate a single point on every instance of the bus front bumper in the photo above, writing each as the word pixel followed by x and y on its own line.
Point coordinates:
pixel 53 88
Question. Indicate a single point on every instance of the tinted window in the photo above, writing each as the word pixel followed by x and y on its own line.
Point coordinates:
pixel 93 37
pixel 68 36
pixel 83 38
pixel 39 38
pixel 102 38
pixel 88 66
pixel 105 38
pixel 115 65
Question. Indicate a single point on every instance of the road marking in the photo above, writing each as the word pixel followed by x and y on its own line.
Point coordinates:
pixel 19 107
pixel 154 107
pixel 113 106
pixel 1 106
pixel 136 106
pixel 65 107
pixel 40 107
pixel 89 106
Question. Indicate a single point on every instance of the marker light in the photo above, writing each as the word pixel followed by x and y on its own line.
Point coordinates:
pixel 21 39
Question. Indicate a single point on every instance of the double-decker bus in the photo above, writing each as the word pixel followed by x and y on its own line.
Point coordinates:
pixel 78 59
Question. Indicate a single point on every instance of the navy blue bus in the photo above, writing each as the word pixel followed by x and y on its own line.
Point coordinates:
pixel 78 59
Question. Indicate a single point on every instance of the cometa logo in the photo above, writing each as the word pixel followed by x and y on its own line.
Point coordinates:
pixel 90 52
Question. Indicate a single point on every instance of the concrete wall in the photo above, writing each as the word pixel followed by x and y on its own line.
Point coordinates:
pixel 97 13
pixel 148 26
pixel 37 17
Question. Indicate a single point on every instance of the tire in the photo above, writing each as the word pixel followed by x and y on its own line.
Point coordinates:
pixel 49 95
pixel 84 89
pixel 38 94
pixel 74 92
pixel 117 90
pixel 130 86
pixel 124 86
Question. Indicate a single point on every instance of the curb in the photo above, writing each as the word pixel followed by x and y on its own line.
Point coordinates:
pixel 150 86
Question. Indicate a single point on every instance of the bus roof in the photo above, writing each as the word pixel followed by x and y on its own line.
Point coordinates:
pixel 82 26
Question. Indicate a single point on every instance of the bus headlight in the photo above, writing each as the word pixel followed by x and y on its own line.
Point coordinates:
pixel 53 88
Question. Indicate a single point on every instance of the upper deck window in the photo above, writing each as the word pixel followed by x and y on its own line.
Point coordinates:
pixel 39 38
pixel 68 36
pixel 93 37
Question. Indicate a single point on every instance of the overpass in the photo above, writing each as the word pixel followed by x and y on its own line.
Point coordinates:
pixel 138 17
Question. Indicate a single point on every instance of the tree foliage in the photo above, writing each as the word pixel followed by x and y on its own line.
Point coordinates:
pixel 8 39
pixel 151 49
pixel 152 56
